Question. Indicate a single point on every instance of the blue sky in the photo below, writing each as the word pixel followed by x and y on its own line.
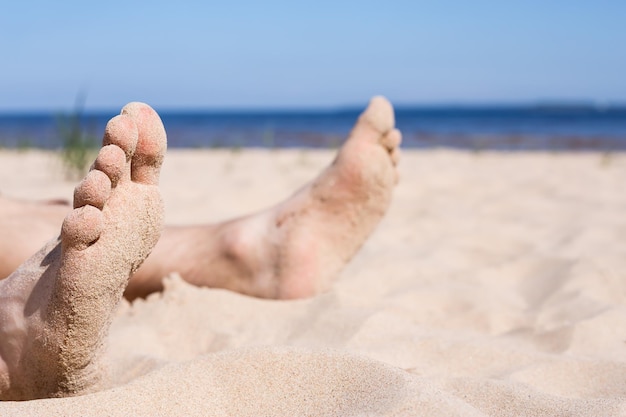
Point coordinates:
pixel 254 54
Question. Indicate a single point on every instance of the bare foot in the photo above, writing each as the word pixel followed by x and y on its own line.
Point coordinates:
pixel 55 310
pixel 298 247
pixel 294 249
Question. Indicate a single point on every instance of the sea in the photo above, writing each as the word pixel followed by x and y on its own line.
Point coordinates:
pixel 506 128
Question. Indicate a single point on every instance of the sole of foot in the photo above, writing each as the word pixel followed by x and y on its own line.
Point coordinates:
pixel 55 310
pixel 297 248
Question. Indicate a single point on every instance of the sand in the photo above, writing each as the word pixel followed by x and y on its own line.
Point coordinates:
pixel 494 286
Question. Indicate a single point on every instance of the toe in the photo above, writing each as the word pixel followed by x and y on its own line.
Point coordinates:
pixel 392 140
pixel 112 161
pixel 82 227
pixel 122 131
pixel 94 190
pixel 151 145
pixel 379 115
pixel 376 121
pixel 395 156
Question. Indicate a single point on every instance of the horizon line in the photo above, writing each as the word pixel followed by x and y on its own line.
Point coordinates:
pixel 402 106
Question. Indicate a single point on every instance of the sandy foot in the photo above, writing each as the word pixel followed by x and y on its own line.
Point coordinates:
pixel 296 248
pixel 55 310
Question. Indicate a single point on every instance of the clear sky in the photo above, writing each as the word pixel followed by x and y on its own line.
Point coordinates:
pixel 268 54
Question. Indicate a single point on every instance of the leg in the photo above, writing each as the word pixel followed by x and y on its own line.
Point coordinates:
pixel 26 226
pixel 296 248
pixel 55 310
pixel 293 249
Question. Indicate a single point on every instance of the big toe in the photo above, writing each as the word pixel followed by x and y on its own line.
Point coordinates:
pixel 151 144
pixel 378 115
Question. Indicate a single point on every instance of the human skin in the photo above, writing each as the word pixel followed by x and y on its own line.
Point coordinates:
pixel 291 250
pixel 56 308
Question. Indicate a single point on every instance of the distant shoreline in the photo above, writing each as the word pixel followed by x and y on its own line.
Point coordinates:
pixel 546 127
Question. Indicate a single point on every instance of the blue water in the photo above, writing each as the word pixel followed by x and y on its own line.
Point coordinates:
pixel 499 128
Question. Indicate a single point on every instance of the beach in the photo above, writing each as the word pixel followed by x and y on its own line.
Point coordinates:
pixel 494 286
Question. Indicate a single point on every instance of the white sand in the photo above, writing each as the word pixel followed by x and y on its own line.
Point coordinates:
pixel 496 285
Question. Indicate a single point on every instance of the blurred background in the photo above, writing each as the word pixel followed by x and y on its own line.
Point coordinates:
pixel 478 75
